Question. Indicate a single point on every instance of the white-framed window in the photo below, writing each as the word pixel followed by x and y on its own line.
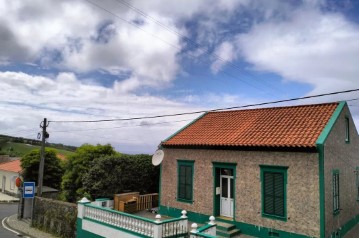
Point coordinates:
pixel 12 182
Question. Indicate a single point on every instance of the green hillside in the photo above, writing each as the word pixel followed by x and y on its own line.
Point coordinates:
pixel 15 149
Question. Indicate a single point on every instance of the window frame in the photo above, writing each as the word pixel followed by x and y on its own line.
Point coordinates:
pixel 336 191
pixel 274 169
pixel 186 163
pixel 13 182
pixel 347 130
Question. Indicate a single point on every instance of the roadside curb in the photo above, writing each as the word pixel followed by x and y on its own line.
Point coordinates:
pixel 7 201
pixel 24 228
pixel 14 230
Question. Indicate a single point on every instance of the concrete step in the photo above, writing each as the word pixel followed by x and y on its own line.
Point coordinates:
pixel 228 234
pixel 225 226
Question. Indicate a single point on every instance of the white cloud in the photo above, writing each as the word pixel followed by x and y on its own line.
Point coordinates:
pixel 27 99
pixel 308 46
pixel 224 53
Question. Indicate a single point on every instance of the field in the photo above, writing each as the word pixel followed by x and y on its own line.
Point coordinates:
pixel 20 149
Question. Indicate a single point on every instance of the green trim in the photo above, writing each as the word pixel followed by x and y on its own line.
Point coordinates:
pixel 188 163
pixel 247 229
pixel 183 128
pixel 192 216
pixel 329 126
pixel 274 169
pixel 320 147
pixel 102 199
pixel 349 225
pixel 321 190
pixel 80 233
pixel 116 227
pixel 160 188
pixel 216 198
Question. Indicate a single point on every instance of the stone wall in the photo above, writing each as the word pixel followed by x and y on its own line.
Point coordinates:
pixel 342 156
pixel 302 186
pixel 55 216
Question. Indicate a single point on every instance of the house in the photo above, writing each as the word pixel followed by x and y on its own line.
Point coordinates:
pixel 9 171
pixel 271 172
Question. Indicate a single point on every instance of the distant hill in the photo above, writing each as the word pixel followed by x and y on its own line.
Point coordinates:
pixel 18 146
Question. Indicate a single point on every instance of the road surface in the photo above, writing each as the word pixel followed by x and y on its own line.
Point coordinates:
pixel 7 209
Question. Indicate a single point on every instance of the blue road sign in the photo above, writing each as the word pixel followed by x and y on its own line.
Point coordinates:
pixel 29 190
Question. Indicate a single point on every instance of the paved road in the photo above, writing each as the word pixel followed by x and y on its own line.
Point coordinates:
pixel 5 211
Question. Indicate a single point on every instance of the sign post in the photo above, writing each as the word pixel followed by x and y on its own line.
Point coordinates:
pixel 28 195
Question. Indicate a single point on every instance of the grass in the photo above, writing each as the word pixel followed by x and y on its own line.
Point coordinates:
pixel 20 149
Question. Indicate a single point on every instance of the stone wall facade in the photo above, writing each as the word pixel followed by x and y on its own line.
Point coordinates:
pixel 342 156
pixel 7 182
pixel 302 186
pixel 55 216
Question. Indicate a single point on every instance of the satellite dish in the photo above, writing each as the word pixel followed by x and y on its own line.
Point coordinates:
pixel 157 157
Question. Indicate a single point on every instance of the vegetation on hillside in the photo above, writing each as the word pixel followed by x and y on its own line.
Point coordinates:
pixel 78 165
pixel 18 146
pixel 53 170
pixel 92 170
pixel 115 174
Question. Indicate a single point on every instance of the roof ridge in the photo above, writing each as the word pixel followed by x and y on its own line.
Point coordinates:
pixel 274 107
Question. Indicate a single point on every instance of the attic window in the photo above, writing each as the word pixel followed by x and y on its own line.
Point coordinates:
pixel 347 132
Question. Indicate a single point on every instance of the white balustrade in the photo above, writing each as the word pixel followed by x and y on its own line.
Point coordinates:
pixel 116 219
pixel 138 225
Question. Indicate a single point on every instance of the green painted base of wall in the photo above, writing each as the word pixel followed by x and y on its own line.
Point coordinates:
pixel 248 229
pixel 346 227
pixel 82 233
pixel 175 212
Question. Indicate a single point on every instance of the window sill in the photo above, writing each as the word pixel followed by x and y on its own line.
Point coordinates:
pixel 274 217
pixel 184 200
pixel 335 213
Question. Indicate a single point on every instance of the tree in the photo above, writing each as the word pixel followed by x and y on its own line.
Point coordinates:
pixel 115 174
pixel 77 166
pixel 52 168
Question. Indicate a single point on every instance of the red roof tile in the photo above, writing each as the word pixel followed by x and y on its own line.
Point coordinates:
pixel 294 126
pixel 12 166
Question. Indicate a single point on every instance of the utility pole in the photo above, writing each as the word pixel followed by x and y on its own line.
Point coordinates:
pixel 44 136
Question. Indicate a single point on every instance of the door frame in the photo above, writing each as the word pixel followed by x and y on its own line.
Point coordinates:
pixel 217 166
pixel 231 192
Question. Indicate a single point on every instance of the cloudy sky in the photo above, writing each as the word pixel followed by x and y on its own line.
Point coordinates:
pixel 91 60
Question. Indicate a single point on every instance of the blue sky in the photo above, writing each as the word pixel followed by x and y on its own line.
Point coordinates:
pixel 90 60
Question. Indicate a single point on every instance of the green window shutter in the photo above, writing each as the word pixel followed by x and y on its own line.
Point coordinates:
pixel 274 191
pixel 185 181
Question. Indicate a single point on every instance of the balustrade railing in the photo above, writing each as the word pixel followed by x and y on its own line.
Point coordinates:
pixel 206 231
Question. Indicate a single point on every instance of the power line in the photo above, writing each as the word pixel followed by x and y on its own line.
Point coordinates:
pixel 118 127
pixel 213 110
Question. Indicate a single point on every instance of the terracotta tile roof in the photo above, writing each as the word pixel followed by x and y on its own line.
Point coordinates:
pixel 12 166
pixel 293 126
